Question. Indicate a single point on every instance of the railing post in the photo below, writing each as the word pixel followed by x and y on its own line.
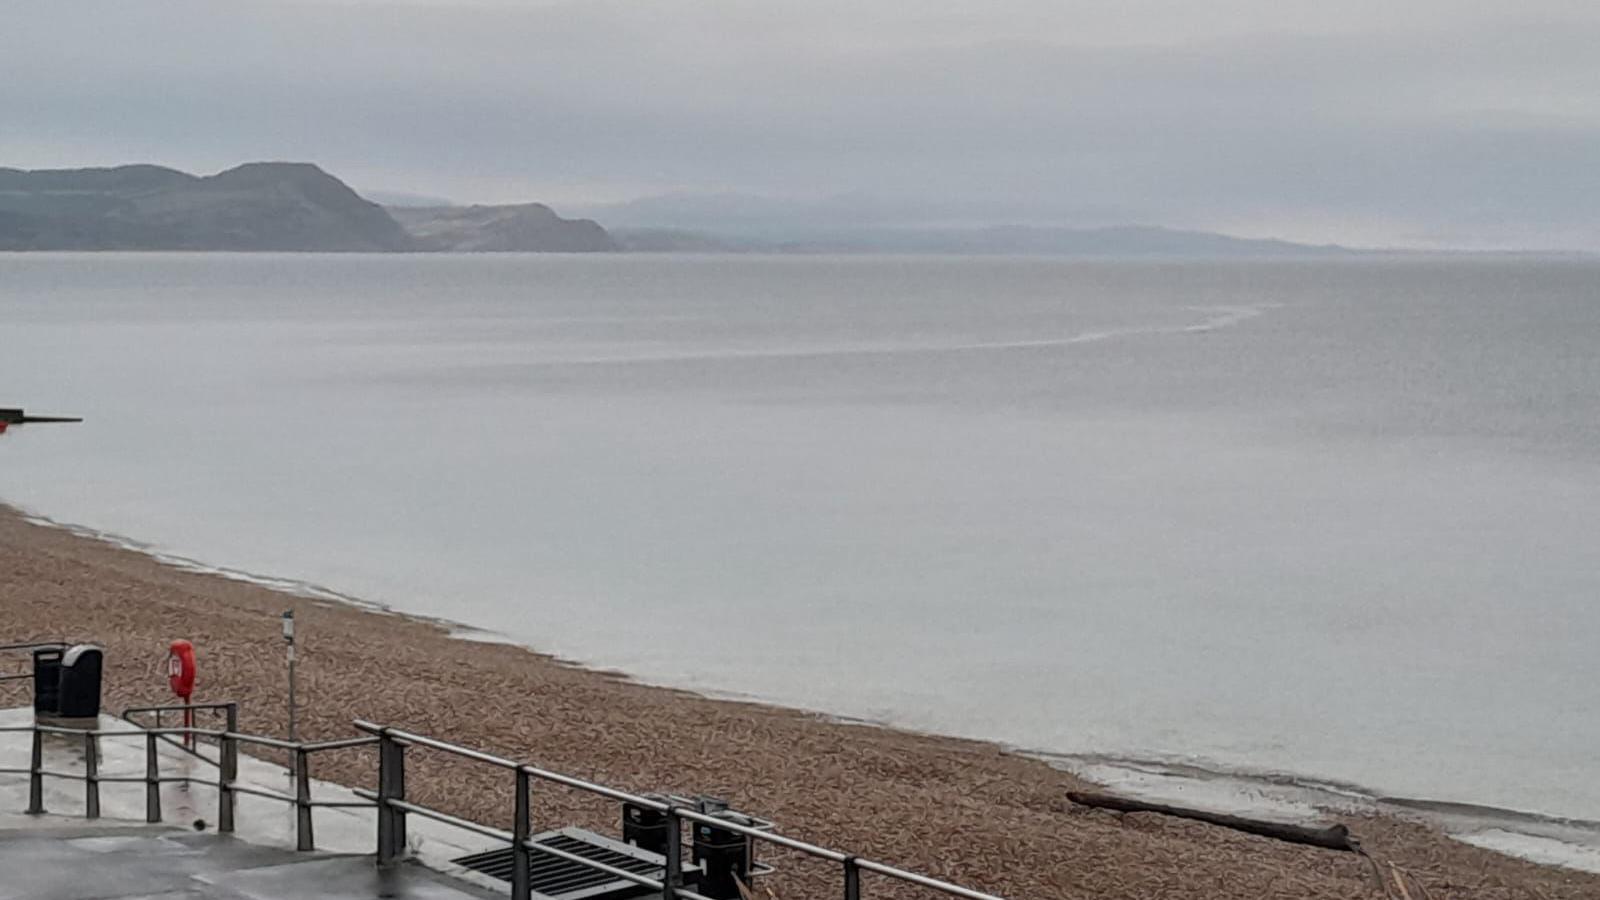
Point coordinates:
pixel 521 830
pixel 152 781
pixel 852 879
pixel 391 786
pixel 36 774
pixel 303 837
pixel 228 769
pixel 91 776
pixel 674 877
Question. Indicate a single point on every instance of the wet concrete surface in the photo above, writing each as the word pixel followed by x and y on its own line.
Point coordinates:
pixel 153 862
pixel 64 856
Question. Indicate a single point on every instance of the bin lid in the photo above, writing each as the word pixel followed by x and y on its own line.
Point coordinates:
pixel 77 650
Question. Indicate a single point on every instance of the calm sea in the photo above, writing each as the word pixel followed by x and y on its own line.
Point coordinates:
pixel 1340 519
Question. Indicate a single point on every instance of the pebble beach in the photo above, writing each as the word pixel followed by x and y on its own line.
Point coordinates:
pixel 962 810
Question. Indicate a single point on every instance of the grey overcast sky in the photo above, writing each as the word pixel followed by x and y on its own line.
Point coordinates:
pixel 1412 122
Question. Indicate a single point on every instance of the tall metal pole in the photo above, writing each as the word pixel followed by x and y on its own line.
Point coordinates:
pixel 288 639
pixel 295 787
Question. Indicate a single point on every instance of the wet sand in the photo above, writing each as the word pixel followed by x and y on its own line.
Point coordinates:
pixel 962 810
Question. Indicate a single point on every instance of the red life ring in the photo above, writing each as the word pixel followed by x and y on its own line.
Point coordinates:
pixel 180 668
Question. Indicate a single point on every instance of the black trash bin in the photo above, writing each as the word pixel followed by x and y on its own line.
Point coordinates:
pixel 645 828
pixel 47 681
pixel 79 692
pixel 725 857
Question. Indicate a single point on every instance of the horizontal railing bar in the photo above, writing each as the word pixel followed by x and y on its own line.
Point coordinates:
pixel 780 840
pixel 590 786
pixel 142 732
pixel 194 751
pixel 43 645
pixel 198 732
pixel 339 744
pixel 421 741
pixel 504 763
pixel 448 819
pixel 72 776
pixel 17 677
pixel 124 779
pixel 343 804
pixel 259 792
pixel 945 886
pixel 262 741
pixel 175 707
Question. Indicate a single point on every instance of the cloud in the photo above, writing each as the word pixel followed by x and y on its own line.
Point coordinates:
pixel 1394 120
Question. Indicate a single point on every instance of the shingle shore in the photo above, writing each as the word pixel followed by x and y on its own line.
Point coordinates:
pixel 956 809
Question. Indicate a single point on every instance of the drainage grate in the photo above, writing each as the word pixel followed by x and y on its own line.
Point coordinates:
pixel 554 877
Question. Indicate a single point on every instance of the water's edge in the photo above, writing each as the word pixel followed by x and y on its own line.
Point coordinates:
pixel 1291 797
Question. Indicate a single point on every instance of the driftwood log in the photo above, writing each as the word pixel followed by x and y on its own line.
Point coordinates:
pixel 1334 837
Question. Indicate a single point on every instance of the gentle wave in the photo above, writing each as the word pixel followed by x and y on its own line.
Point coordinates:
pixel 1225 317
pixel 1221 317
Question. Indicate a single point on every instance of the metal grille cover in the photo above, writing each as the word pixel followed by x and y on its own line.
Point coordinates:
pixel 562 879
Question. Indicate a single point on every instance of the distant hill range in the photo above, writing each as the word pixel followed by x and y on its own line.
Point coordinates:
pixel 279 206
pixel 1022 240
pixel 270 206
pixel 853 223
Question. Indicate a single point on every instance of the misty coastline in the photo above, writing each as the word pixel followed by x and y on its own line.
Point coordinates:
pixel 300 207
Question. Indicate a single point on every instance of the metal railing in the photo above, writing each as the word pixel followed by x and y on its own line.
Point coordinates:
pixel 393 807
pixel 28 647
pixel 227 764
pixel 391 804
pixel 230 712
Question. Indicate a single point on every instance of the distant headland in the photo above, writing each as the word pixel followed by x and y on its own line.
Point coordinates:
pixel 263 206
